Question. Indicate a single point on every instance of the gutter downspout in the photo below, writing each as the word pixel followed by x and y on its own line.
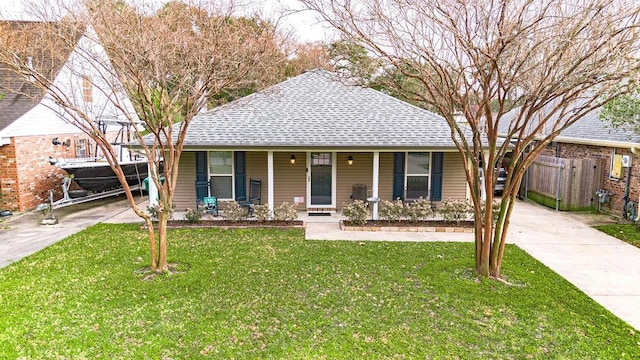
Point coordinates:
pixel 625 198
pixel 635 151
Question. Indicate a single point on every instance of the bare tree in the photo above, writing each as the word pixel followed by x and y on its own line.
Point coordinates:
pixel 519 71
pixel 169 64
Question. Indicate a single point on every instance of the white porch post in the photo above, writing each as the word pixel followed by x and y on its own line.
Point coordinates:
pixel 270 192
pixel 374 190
pixel 153 189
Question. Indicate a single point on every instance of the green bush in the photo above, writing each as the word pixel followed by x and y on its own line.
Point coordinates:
pixel 261 212
pixel 234 212
pixel 419 210
pixel 455 210
pixel 495 214
pixel 356 212
pixel 285 212
pixel 192 216
pixel 392 210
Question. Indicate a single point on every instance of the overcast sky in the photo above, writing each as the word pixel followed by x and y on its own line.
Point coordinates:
pixel 305 25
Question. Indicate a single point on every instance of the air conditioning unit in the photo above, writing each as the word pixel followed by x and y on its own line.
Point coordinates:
pixel 626 161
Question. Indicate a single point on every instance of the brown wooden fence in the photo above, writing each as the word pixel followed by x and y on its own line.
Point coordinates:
pixel 565 184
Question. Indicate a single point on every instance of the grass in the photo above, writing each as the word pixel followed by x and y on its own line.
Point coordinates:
pixel 626 232
pixel 271 294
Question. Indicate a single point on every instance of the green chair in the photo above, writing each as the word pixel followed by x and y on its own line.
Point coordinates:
pixel 210 204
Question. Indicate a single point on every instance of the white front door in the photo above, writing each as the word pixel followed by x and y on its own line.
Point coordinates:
pixel 321 180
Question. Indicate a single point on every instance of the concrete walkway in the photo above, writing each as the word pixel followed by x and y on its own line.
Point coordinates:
pixel 605 268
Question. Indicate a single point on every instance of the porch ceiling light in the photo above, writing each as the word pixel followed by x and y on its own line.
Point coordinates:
pixel 292 159
pixel 350 160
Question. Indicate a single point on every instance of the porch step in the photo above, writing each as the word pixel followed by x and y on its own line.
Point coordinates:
pixel 321 212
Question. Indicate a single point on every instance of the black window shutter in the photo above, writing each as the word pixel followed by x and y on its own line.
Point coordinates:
pixel 202 179
pixel 240 176
pixel 398 175
pixel 436 176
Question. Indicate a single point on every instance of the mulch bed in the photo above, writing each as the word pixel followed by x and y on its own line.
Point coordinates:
pixel 226 224
pixel 407 223
pixel 410 226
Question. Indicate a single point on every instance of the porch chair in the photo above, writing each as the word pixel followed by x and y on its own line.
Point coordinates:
pixel 359 192
pixel 210 204
pixel 255 195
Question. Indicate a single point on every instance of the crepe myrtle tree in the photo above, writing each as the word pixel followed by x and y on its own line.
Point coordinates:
pixel 157 70
pixel 518 71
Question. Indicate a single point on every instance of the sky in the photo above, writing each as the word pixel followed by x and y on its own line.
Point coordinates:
pixel 305 25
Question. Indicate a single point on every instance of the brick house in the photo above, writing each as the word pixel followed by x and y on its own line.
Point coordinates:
pixel 33 128
pixel 592 138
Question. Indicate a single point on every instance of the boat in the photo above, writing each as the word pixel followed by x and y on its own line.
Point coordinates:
pixel 94 174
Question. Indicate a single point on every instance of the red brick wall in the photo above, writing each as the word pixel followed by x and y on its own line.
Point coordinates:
pixel 29 176
pixel 614 186
pixel 8 176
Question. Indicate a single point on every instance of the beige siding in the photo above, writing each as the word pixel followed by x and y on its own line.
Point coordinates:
pixel 454 184
pixel 185 195
pixel 289 180
pixel 256 168
pixel 359 173
pixel 385 186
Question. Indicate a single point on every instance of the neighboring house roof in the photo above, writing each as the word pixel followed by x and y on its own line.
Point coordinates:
pixel 589 130
pixel 316 110
pixel 593 130
pixel 21 96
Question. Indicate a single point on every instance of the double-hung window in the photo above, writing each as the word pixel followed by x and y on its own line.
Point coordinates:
pixel 221 174
pixel 81 148
pixel 417 175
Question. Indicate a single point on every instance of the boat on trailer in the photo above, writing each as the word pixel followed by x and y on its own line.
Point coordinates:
pixel 95 175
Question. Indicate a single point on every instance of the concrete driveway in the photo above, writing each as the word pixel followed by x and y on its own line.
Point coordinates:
pixel 605 268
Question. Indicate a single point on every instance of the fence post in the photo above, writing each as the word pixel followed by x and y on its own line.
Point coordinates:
pixel 558 186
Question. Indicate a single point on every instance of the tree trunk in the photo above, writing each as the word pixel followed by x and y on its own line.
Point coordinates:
pixel 152 243
pixel 162 264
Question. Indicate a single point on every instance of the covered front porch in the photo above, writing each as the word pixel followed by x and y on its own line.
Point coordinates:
pixel 319 180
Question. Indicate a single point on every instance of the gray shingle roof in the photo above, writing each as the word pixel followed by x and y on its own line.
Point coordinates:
pixel 589 129
pixel 316 110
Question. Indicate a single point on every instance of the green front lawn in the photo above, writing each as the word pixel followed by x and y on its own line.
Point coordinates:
pixel 271 294
pixel 626 232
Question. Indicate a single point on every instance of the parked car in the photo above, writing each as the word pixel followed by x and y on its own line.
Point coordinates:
pixel 500 181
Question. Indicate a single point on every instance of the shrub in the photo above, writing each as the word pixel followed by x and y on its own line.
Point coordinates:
pixel 392 210
pixel 192 216
pixel 285 212
pixel 261 212
pixel 419 210
pixel 455 211
pixel 356 212
pixel 234 212
pixel 496 212
pixel 154 211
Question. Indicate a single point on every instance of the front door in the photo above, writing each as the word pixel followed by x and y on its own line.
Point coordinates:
pixel 321 189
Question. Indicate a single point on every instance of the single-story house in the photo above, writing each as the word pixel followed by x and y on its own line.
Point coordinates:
pixel 594 138
pixel 311 140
